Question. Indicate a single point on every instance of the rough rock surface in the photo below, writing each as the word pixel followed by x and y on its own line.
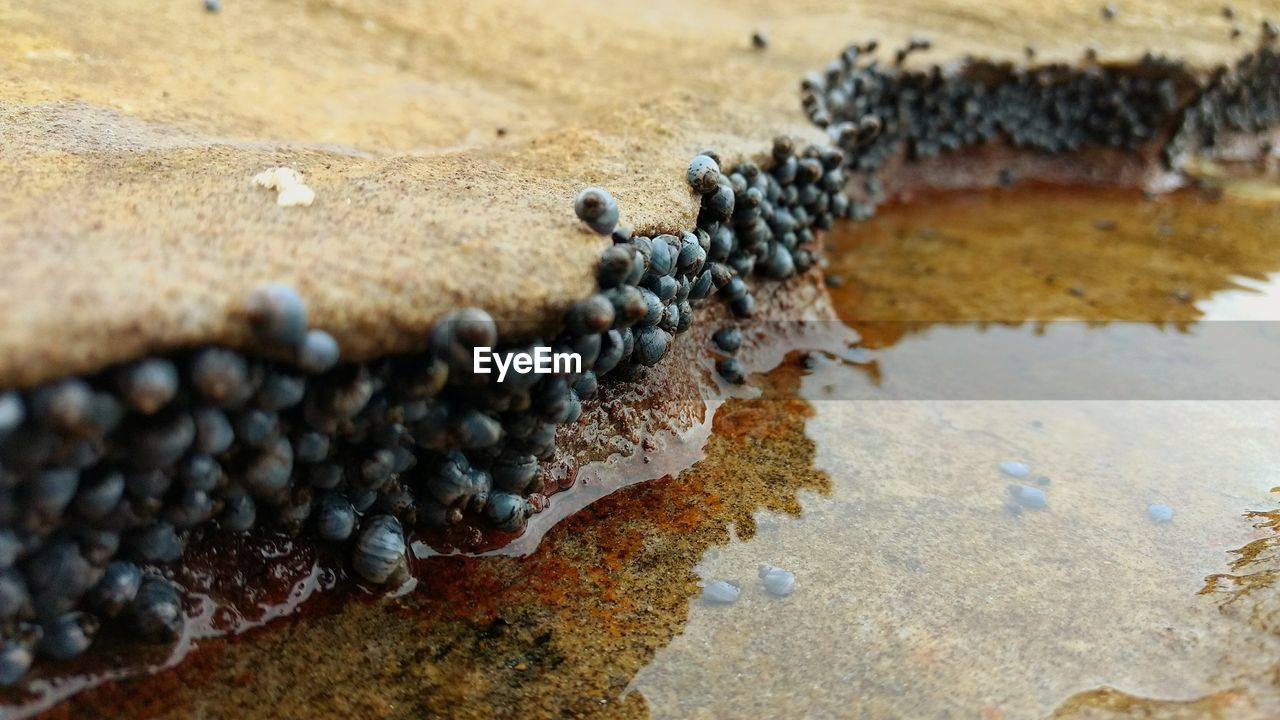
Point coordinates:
pixel 444 142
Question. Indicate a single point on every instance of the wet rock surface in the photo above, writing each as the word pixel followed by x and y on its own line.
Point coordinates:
pixel 485 636
pixel 359 453
pixel 381 557
pixel 604 617
pixel 132 223
pixel 917 591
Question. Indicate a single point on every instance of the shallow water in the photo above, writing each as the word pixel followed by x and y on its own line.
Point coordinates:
pixel 871 470
pixel 924 589
pixel 921 593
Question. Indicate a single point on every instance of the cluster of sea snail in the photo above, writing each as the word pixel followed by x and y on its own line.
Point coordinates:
pixel 104 479
pixel 1246 100
pixel 875 110
pixel 751 221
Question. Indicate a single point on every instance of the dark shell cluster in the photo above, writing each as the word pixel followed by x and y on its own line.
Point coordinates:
pixel 1244 100
pixel 104 480
pixel 875 110
pixel 763 220
pixel 751 221
pixel 727 341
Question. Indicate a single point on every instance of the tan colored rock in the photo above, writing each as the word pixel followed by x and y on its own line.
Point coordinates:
pixel 444 141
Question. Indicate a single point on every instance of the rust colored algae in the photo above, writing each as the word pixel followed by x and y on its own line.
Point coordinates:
pixel 558 633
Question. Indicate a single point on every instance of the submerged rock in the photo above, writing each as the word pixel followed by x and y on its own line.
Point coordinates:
pixel 1160 513
pixel 1029 496
pixel 720 592
pixel 777 581
pixel 1015 468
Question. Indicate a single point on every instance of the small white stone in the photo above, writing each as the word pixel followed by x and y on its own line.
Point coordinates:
pixel 274 178
pixel 720 592
pixel 1015 468
pixel 296 195
pixel 1030 497
pixel 777 582
pixel 288 184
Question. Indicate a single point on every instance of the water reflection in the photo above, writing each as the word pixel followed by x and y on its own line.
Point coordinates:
pixel 924 587
pixel 1252 299
pixel 919 594
pixel 1062 360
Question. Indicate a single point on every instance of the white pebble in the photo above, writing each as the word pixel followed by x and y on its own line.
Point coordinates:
pixel 777 582
pixel 1015 468
pixel 287 182
pixel 1030 497
pixel 721 592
